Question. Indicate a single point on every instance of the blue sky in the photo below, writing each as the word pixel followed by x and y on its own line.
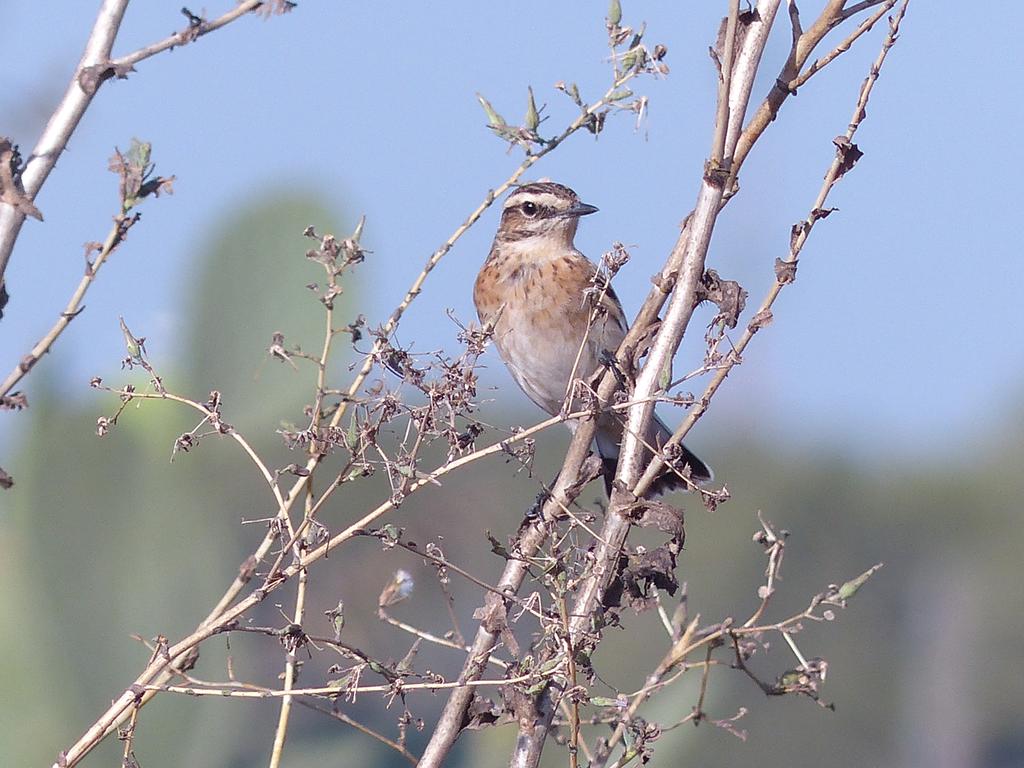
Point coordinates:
pixel 901 332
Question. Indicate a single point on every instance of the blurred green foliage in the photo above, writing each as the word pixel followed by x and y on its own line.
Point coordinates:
pixel 103 538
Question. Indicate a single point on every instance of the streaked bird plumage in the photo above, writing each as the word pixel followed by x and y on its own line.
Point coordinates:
pixel 534 288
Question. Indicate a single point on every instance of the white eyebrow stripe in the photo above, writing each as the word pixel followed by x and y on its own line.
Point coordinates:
pixel 544 199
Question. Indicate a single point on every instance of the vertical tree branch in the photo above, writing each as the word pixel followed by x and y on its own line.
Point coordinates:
pixel 686 260
pixel 290 671
pixel 94 68
pixel 785 269
pixel 71 310
pixel 740 55
pixel 62 124
pixel 785 84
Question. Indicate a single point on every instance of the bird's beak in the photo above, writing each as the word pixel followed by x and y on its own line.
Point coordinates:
pixel 580 209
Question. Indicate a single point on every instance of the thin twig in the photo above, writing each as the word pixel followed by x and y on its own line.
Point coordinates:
pixel 803 46
pixel 786 273
pixel 188 35
pixel 424 635
pixel 841 48
pixel 268 476
pixel 290 672
pixel 333 691
pixel 342 717
pixel 94 68
pixel 392 322
pixel 687 261
pixel 71 310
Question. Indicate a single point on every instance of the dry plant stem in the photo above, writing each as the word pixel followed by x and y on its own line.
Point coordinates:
pixel 796 246
pixel 450 722
pixel 679 651
pixel 74 306
pixel 223 614
pixel 290 669
pixel 436 256
pixel 188 35
pixel 229 613
pixel 864 4
pixel 535 534
pixel 725 79
pixel 687 260
pixel 282 507
pixel 342 717
pixel 574 707
pixel 289 674
pixel 676 653
pixel 76 101
pixel 339 716
pixel 133 721
pixel 327 691
pixel 804 43
pixel 842 48
pixel 62 123
pixel 424 635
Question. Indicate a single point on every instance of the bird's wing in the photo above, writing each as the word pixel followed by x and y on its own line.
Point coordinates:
pixel 613 306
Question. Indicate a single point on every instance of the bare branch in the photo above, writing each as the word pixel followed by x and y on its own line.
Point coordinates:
pixel 686 260
pixel 94 68
pixel 786 268
pixel 558 543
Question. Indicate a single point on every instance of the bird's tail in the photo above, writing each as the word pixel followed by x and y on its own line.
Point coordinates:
pixel 608 439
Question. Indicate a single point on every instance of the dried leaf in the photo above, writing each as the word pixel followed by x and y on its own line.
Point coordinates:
pixel 11 190
pixel 728 295
pixel 640 572
pixel 785 271
pixel 657 514
pixel 136 172
pixel 14 401
pixel 492 615
pixel 480 713
pixel 848 154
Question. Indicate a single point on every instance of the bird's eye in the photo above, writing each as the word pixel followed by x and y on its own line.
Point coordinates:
pixel 530 209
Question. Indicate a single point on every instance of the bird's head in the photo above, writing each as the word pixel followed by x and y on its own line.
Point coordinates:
pixel 542 210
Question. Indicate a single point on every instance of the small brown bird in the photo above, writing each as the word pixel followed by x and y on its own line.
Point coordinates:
pixel 538 291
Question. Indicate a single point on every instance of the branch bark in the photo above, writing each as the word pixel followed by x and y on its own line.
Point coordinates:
pixel 804 44
pixel 94 68
pixel 786 268
pixel 686 261
pixel 61 125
